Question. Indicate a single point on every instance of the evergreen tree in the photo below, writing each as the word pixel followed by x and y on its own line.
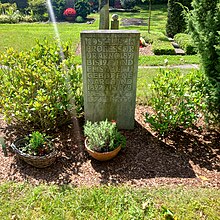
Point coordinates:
pixel 204 25
pixel 176 22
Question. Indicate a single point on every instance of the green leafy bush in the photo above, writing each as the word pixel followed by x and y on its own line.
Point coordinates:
pixel 9 13
pixel 111 3
pixel 58 8
pixel 160 43
pixel 38 9
pixel 185 42
pixel 21 4
pixel 153 36
pixel 159 1
pixel 177 100
pixel 15 18
pixel 79 19
pixel 82 8
pixel 94 4
pixel 7 8
pixel 163 48
pixel 36 144
pixel 128 4
pixel 38 88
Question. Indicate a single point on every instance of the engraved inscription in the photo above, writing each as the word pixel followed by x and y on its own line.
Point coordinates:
pixel 109 68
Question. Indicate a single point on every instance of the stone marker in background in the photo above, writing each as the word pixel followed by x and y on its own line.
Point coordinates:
pixel 104 14
pixel 115 22
pixel 110 65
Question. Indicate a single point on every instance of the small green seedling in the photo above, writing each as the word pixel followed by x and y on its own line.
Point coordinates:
pixel 2 142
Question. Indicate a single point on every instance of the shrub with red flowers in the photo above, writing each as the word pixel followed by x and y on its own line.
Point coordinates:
pixel 69 12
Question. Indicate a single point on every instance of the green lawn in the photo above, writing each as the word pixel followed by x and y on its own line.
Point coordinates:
pixel 23 201
pixel 23 36
pixel 144 81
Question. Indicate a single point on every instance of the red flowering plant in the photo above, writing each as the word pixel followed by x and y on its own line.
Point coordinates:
pixel 69 12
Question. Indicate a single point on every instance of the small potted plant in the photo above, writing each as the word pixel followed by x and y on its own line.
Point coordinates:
pixel 36 149
pixel 70 14
pixel 103 140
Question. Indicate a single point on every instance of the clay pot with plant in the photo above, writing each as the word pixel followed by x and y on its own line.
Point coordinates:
pixel 36 149
pixel 103 140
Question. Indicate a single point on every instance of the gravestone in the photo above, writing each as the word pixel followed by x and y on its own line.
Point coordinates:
pixel 104 14
pixel 115 22
pixel 110 65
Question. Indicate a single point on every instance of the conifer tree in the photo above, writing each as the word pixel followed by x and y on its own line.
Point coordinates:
pixel 176 22
pixel 204 25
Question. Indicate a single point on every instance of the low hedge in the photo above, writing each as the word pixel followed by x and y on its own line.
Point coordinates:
pixel 185 42
pixel 163 48
pixel 160 43
pixel 153 36
pixel 15 18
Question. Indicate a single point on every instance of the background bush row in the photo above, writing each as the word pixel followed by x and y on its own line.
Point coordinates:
pixel 186 43
pixel 36 10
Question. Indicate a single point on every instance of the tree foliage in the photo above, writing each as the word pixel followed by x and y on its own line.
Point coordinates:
pixel 205 28
pixel 21 4
pixel 176 22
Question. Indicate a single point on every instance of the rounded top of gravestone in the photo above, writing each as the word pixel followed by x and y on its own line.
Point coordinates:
pixel 114 17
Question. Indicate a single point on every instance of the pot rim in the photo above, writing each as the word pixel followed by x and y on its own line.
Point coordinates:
pixel 16 150
pixel 101 153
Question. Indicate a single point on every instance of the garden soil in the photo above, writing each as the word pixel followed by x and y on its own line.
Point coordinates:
pixel 186 158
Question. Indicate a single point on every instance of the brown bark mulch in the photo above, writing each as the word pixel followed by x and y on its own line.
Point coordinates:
pixel 188 158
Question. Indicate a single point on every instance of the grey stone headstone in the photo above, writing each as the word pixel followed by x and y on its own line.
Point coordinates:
pixel 114 22
pixel 104 14
pixel 110 65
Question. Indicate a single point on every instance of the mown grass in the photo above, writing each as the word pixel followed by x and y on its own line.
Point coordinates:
pixel 144 81
pixel 23 201
pixel 23 36
pixel 172 60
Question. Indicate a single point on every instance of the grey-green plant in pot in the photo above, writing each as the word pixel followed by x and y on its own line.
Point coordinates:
pixel 36 149
pixel 103 140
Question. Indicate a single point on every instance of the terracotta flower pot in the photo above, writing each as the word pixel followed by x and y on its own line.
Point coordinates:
pixel 36 161
pixel 102 156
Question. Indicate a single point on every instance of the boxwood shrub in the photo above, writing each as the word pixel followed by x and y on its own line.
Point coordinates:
pixel 153 36
pixel 38 88
pixel 160 43
pixel 185 42
pixel 178 100
pixel 163 48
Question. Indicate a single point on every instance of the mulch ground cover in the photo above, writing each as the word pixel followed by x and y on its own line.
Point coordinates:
pixel 188 157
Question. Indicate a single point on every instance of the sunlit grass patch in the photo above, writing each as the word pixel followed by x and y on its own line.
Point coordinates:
pixel 23 201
